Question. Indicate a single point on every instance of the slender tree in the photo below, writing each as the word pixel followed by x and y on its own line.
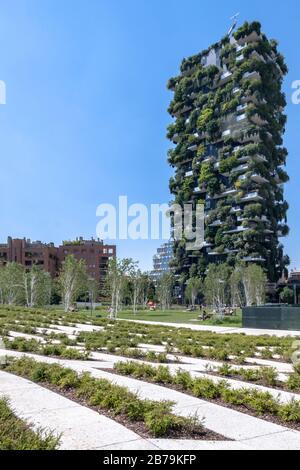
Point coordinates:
pixel 72 281
pixel 165 287
pixel 118 273
pixel 193 289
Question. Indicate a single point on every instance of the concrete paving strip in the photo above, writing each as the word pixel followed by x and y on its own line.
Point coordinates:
pixel 80 427
pixel 221 329
pixel 229 423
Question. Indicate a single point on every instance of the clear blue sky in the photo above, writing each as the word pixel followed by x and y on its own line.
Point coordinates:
pixel 86 113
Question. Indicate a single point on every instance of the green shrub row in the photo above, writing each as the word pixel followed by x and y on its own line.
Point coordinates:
pixel 15 434
pixel 261 403
pixel 55 350
pixel 102 394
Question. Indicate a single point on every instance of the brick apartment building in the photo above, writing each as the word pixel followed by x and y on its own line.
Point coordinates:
pixel 50 258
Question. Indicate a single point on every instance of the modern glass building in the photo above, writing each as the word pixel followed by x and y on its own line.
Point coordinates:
pixel 162 259
pixel 228 153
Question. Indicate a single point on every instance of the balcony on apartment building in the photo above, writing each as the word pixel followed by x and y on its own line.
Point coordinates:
pixel 253 196
pixel 225 77
pixel 254 259
pixel 256 158
pixel 252 37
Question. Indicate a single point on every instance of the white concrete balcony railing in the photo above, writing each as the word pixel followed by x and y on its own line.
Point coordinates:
pixel 254 196
pixel 193 148
pixel 240 169
pixel 252 75
pixel 258 56
pixel 235 210
pixel 189 173
pixel 200 190
pixel 236 230
pixel 241 117
pixel 226 133
pixel 253 37
pixel 225 77
pixel 208 159
pixel 241 107
pixel 259 179
pixel 240 48
pixel 240 58
pixel 216 223
pixel 254 259
pixel 236 90
pixel 256 158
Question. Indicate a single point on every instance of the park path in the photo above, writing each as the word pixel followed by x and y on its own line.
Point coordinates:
pixel 81 428
pixel 220 329
pixel 248 431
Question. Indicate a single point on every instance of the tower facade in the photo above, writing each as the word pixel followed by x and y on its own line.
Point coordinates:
pixel 228 153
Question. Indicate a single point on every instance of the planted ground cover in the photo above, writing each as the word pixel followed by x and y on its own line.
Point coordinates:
pixel 122 337
pixel 147 417
pixel 15 434
pixel 53 350
pixel 255 402
pixel 266 376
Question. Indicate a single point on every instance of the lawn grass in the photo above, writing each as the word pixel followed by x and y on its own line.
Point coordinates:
pixel 180 316
pixel 15 434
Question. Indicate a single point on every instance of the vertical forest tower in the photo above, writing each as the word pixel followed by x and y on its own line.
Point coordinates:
pixel 227 133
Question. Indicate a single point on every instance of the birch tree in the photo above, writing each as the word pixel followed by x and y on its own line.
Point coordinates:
pixel 193 289
pixel 254 281
pixel 237 288
pixel 118 273
pixel 37 287
pixel 217 288
pixel 72 281
pixel 165 286
pixel 11 284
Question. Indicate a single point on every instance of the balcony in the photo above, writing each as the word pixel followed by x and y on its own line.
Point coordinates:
pixel 228 192
pixel 216 223
pixel 236 230
pixel 240 58
pixel 235 210
pixel 200 189
pixel 252 76
pixel 253 259
pixel 208 159
pixel 241 117
pixel 253 37
pixel 226 133
pixel 259 179
pixel 241 107
pixel 193 148
pixel 236 90
pixel 240 48
pixel 258 56
pixel 254 196
pixel 240 169
pixel 257 158
pixel 258 120
pixel 225 77
pixel 189 174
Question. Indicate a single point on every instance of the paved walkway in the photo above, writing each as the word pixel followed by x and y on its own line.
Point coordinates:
pixel 247 430
pixel 221 329
pixel 81 428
